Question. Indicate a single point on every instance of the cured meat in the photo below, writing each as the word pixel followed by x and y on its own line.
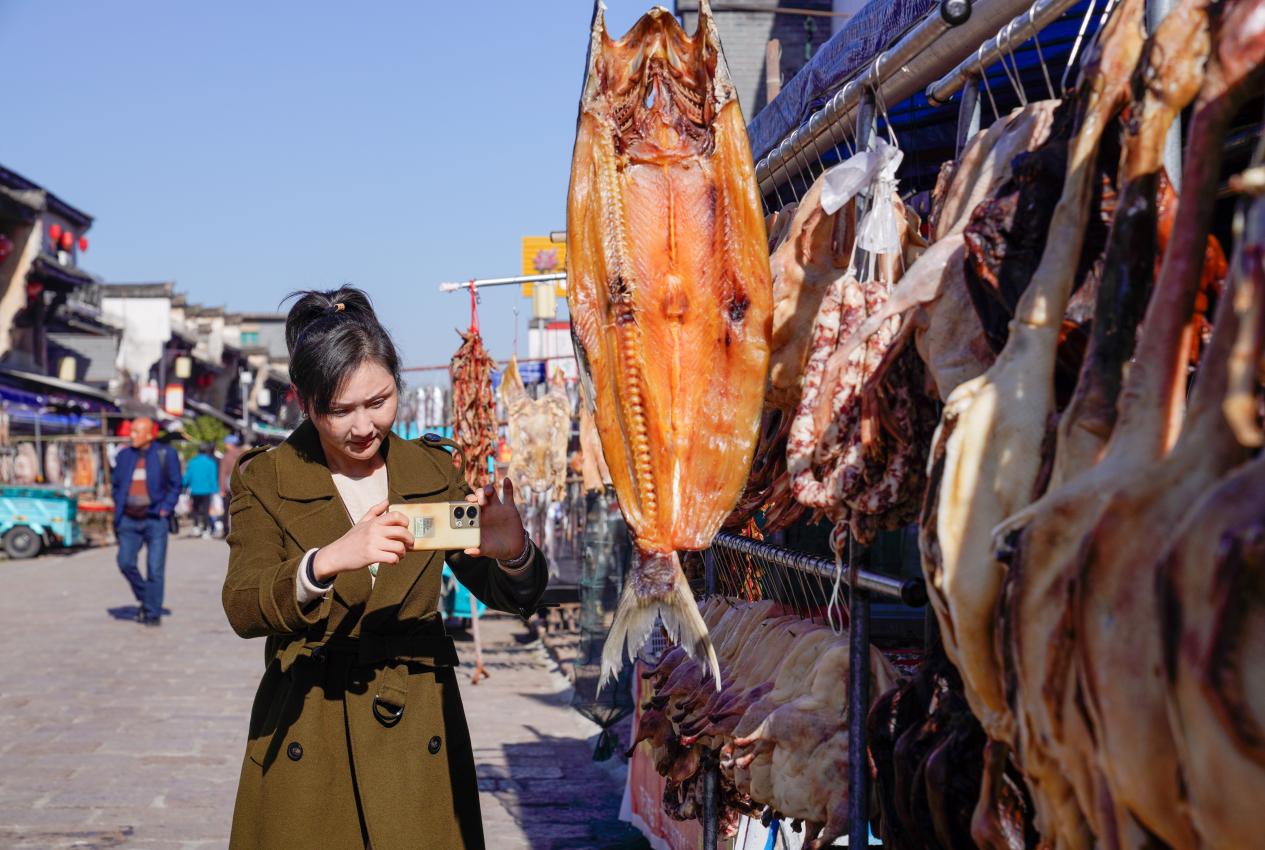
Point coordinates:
pixel 987 449
pixel 1211 626
pixel 1123 682
pixel 670 297
pixel 539 430
pixel 473 407
pixel 1040 542
pixel 958 351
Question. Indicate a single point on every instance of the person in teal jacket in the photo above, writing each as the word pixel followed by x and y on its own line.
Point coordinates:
pixel 202 480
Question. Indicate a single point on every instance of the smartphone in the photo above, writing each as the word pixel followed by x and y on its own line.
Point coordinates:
pixel 442 525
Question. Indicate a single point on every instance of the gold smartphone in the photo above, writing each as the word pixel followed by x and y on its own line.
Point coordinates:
pixel 442 525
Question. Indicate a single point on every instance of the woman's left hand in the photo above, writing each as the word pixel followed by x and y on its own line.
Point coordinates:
pixel 501 533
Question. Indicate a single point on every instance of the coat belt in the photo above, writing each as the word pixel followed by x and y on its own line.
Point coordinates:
pixel 370 650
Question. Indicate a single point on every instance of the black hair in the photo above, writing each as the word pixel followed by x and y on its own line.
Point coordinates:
pixel 328 335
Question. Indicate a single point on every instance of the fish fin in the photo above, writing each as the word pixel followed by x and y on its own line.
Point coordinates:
pixel 636 619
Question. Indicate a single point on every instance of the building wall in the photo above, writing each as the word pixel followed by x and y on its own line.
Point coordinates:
pixel 146 325
pixel 744 38
pixel 13 273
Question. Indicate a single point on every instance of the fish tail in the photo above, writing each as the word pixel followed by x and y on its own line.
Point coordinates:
pixel 639 613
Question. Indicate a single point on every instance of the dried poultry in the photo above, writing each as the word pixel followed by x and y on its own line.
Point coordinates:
pixel 1119 662
pixel 779 726
pixel 538 433
pixel 473 406
pixel 1210 600
pixel 671 301
pixel 1039 542
pixel 987 450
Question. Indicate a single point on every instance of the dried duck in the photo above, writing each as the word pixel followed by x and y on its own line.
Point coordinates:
pixel 670 300
pixel 1040 541
pixel 987 450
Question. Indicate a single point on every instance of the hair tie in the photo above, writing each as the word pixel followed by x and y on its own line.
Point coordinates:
pixel 337 308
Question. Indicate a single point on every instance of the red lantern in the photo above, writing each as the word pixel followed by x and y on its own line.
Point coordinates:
pixel 54 232
pixel 67 240
pixel 83 243
pixel 6 247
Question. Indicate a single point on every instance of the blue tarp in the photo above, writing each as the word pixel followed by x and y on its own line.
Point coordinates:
pixel 869 31
pixel 926 133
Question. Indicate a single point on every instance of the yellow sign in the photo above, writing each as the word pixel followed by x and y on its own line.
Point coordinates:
pixel 542 256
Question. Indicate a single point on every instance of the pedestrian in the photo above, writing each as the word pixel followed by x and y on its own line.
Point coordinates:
pixel 228 462
pixel 357 737
pixel 146 485
pixel 202 480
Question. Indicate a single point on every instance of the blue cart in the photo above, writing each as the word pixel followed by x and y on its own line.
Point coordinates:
pixel 35 518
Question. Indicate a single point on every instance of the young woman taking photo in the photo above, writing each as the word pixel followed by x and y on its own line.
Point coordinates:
pixel 357 735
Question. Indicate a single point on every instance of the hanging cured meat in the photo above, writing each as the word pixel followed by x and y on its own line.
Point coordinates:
pixel 779 726
pixel 1117 608
pixel 473 406
pixel 670 296
pixel 538 433
pixel 987 450
pixel 1034 621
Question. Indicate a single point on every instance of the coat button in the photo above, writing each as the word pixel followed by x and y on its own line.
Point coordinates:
pixel 294 751
pixel 434 745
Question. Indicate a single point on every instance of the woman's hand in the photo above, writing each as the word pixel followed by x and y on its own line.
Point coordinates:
pixel 501 533
pixel 379 538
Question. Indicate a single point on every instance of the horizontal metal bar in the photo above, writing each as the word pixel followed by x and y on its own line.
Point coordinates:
pixel 1008 38
pixel 478 283
pixel 768 10
pixel 905 68
pixel 913 592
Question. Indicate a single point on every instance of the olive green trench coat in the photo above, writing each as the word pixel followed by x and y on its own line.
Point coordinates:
pixel 357 736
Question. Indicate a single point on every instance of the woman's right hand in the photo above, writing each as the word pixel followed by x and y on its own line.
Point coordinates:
pixel 381 537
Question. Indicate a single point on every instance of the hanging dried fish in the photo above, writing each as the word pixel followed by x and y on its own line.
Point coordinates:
pixel 473 406
pixel 671 301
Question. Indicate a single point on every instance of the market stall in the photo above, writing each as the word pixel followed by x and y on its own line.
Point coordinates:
pixel 1010 373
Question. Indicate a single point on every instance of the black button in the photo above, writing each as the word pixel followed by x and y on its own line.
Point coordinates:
pixel 434 744
pixel 431 437
pixel 294 751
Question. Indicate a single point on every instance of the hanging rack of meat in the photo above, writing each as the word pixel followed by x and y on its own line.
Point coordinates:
pixel 538 433
pixel 473 403
pixel 670 298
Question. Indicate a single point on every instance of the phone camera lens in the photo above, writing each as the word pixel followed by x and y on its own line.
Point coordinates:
pixel 460 512
pixel 472 513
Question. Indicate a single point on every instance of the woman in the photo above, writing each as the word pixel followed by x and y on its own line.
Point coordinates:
pixel 357 735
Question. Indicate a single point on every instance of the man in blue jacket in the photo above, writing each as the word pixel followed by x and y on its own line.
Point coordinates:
pixel 146 486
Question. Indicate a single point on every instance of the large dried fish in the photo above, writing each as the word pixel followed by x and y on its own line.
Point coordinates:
pixel 473 406
pixel 671 302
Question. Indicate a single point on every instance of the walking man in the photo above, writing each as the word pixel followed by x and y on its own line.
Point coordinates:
pixel 146 486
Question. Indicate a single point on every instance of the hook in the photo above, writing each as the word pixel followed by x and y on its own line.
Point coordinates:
pixel 1036 42
pixel 1080 35
pixel 979 60
pixel 1016 81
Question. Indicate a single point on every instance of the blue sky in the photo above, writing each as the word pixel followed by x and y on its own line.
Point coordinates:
pixel 247 149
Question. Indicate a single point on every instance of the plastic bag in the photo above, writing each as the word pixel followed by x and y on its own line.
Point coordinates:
pixel 857 172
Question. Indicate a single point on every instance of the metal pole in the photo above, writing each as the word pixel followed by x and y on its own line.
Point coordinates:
pixel 453 286
pixel 711 803
pixel 1156 11
pixel 858 700
pixel 968 115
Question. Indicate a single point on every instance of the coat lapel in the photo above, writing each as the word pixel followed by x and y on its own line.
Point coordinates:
pixel 315 515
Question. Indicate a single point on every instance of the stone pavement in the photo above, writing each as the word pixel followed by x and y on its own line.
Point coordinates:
pixel 113 735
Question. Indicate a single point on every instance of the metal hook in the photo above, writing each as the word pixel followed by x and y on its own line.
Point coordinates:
pixel 1080 35
pixel 979 59
pixel 1016 81
pixel 1036 42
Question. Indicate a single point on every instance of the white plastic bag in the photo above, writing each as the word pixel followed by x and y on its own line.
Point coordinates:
pixel 857 172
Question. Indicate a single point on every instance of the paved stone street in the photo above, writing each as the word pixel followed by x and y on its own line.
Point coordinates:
pixel 113 735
